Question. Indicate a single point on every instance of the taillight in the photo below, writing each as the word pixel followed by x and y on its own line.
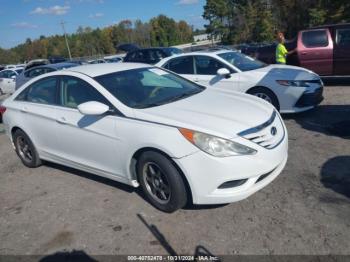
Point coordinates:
pixel 2 110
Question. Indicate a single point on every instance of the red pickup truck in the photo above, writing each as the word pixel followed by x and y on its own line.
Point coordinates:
pixel 324 50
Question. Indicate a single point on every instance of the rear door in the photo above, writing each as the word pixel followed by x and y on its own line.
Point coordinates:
pixel 342 51
pixel 37 113
pixel 315 51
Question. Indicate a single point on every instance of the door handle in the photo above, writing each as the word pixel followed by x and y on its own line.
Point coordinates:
pixel 196 80
pixel 303 53
pixel 24 109
pixel 61 120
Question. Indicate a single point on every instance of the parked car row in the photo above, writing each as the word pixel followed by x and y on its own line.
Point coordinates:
pixel 147 126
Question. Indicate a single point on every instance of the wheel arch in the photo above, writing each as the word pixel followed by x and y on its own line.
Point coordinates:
pixel 139 152
pixel 267 88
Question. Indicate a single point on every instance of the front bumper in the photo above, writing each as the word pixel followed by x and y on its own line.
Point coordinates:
pixel 206 173
pixel 310 99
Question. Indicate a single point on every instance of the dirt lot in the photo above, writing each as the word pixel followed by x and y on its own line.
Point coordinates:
pixel 306 210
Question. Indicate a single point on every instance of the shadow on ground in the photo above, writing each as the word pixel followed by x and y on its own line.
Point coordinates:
pixel 336 81
pixel 199 250
pixel 333 120
pixel 75 255
pixel 335 175
pixel 93 177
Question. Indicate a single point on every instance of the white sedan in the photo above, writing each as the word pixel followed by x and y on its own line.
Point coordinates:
pixel 290 89
pixel 142 125
pixel 8 80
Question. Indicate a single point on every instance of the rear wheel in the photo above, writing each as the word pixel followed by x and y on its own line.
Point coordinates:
pixel 25 149
pixel 266 94
pixel 161 182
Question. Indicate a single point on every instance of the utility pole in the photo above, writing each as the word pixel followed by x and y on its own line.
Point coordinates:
pixel 65 36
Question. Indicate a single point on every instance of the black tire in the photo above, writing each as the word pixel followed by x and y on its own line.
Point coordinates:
pixel 271 97
pixel 170 181
pixel 25 149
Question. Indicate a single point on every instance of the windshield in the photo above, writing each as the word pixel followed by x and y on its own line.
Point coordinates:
pixel 19 71
pixel 147 87
pixel 242 61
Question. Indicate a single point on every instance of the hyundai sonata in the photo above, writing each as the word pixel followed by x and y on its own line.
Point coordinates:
pixel 148 127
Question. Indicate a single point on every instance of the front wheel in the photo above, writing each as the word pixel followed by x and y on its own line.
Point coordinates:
pixel 265 94
pixel 161 182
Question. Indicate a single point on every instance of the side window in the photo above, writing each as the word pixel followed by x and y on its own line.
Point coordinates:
pixel 181 65
pixel 206 65
pixel 315 38
pixel 6 74
pixel 343 37
pixel 75 91
pixel 43 91
pixel 35 72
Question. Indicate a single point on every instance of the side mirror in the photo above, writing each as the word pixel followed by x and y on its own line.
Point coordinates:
pixel 224 72
pixel 93 108
pixel 13 77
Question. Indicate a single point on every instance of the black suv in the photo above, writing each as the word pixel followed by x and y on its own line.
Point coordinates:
pixel 151 55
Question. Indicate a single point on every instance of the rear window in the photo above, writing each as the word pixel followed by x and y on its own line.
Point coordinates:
pixel 315 38
pixel 343 37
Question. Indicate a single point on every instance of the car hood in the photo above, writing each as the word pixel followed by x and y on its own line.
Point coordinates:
pixel 215 112
pixel 287 72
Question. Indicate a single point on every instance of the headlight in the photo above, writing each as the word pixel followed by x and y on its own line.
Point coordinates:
pixel 300 83
pixel 215 146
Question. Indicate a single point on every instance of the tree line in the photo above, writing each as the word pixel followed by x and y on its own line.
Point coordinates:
pixel 238 21
pixel 158 31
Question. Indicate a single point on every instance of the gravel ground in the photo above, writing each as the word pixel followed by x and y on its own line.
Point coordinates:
pixel 306 210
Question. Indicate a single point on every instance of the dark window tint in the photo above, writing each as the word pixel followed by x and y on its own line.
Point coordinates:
pixel 343 37
pixel 181 65
pixel 75 91
pixel 316 38
pixel 35 72
pixel 206 65
pixel 43 91
pixel 136 56
pixel 155 56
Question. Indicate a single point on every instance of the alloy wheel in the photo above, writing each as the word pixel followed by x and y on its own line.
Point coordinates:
pixel 156 183
pixel 264 96
pixel 24 149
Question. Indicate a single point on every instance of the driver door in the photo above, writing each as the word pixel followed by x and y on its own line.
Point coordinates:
pixel 86 140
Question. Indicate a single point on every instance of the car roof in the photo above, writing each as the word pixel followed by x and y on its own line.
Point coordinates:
pixel 206 52
pixel 54 66
pixel 94 70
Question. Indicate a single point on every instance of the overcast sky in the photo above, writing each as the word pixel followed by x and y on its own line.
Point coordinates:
pixel 20 19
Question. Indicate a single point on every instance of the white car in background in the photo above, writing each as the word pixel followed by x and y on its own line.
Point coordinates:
pixel 8 80
pixel 290 89
pixel 142 125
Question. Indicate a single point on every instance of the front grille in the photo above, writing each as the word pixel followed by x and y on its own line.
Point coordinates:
pixel 310 99
pixel 268 134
